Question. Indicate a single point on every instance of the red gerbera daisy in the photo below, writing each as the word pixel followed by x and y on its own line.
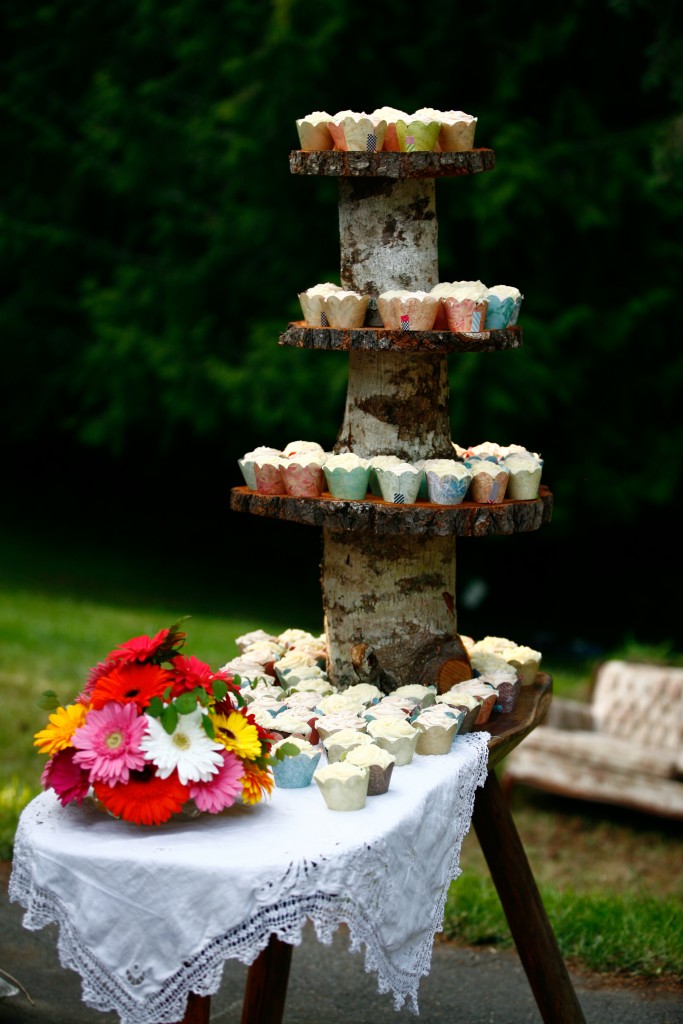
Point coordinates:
pixel 145 799
pixel 161 647
pixel 125 683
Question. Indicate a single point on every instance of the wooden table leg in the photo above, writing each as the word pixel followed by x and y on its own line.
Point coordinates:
pixel 198 1009
pixel 534 937
pixel 266 988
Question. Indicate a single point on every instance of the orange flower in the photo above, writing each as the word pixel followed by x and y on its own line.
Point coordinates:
pixel 133 682
pixel 257 782
pixel 145 799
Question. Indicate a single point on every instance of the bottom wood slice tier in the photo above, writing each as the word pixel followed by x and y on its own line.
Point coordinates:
pixel 468 519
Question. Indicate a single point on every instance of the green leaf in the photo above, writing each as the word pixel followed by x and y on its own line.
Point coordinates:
pixel 287 750
pixel 48 701
pixel 169 718
pixel 219 688
pixel 167 693
pixel 186 703
pixel 155 707
pixel 201 695
pixel 208 727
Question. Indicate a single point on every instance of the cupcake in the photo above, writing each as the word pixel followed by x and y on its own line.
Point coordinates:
pixel 482 692
pixel 344 786
pixel 489 482
pixel 447 481
pixel 378 761
pixel 457 129
pixel 268 474
pixel 403 310
pixel 342 741
pixel 465 306
pixel 436 733
pixel 400 483
pixel 418 133
pixel 326 725
pixel 312 301
pixel 504 303
pixel 424 695
pixel 357 132
pixel 391 115
pixel 314 131
pixel 295 771
pixel 302 448
pixel 345 310
pixel 246 463
pixel 524 476
pixel 397 736
pixel 303 476
pixel 377 462
pixel 347 476
pixel 465 702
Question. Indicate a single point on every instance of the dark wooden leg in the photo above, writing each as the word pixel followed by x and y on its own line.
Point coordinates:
pixel 198 1009
pixel 266 988
pixel 535 940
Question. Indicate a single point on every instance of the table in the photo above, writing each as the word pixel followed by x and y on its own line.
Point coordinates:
pixel 148 916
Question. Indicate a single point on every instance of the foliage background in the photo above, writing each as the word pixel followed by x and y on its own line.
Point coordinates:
pixel 153 243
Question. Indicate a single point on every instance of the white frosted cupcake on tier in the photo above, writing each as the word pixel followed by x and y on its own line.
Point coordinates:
pixel 313 303
pixel 457 129
pixel 453 290
pixel 417 133
pixel 303 476
pixel 314 131
pixel 347 476
pixel 341 742
pixel 400 483
pixel 345 309
pixel 268 474
pixel 404 310
pixel 356 131
pixel 246 463
pixel 524 476
pixel 489 481
pixel 465 306
pixel 380 462
pixel 390 115
pixel 437 731
pixel 504 304
pixel 294 771
pixel 447 481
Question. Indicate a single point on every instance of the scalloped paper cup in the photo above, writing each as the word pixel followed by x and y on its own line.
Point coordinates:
pixel 358 134
pixel 436 738
pixel 457 137
pixel 523 484
pixel 398 484
pixel 269 478
pixel 344 787
pixel 446 487
pixel 304 480
pixel 375 462
pixel 411 312
pixel 247 470
pixel 345 310
pixel 505 303
pixel 295 772
pixel 489 486
pixel 347 483
pixel 414 136
pixel 314 132
pixel 465 314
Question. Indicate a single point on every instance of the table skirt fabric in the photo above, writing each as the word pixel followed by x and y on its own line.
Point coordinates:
pixel 147 915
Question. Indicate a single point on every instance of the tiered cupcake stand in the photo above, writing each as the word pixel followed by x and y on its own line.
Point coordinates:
pixel 388 571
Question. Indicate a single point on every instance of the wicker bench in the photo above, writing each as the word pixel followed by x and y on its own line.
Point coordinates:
pixel 623 747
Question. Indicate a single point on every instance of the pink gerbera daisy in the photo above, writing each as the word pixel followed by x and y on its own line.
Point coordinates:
pixel 223 787
pixel 108 745
pixel 69 781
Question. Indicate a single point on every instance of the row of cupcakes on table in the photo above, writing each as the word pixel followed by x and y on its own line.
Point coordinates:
pixel 387 129
pixel 349 741
pixel 485 474
pixel 462 306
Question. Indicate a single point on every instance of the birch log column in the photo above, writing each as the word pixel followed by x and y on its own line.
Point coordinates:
pixel 396 595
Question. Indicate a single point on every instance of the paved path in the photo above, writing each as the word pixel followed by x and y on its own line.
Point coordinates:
pixel 328 984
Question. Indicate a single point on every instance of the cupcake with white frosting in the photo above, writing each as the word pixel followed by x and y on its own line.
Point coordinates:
pixel 447 481
pixel 457 129
pixel 400 483
pixel 345 309
pixel 356 131
pixel 378 761
pixel 294 771
pixel 314 131
pixel 390 115
pixel 347 476
pixel 465 306
pixel 418 133
pixel 268 474
pixel 524 476
pixel 397 736
pixel 313 303
pixel 489 481
pixel 344 786
pixel 504 304
pixel 404 310
pixel 246 463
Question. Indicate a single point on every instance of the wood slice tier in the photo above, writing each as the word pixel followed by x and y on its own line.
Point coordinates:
pixel 468 519
pixel 377 339
pixel 339 164
pixel 510 729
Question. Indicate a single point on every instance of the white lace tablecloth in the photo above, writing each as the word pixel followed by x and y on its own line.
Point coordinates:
pixel 147 915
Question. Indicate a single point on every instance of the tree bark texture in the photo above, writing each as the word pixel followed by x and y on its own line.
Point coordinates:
pixel 337 164
pixel 378 339
pixel 396 594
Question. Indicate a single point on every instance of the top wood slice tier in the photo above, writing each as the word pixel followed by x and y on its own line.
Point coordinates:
pixel 377 339
pixel 383 518
pixel 338 164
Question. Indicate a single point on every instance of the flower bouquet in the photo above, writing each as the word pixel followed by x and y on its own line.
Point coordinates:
pixel 153 733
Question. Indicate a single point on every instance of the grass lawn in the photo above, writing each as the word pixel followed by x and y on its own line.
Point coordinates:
pixel 606 877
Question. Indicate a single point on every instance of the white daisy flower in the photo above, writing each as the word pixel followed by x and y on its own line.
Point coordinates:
pixel 187 750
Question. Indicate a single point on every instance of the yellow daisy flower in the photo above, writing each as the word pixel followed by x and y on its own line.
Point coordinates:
pixel 63 724
pixel 237 734
pixel 257 782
